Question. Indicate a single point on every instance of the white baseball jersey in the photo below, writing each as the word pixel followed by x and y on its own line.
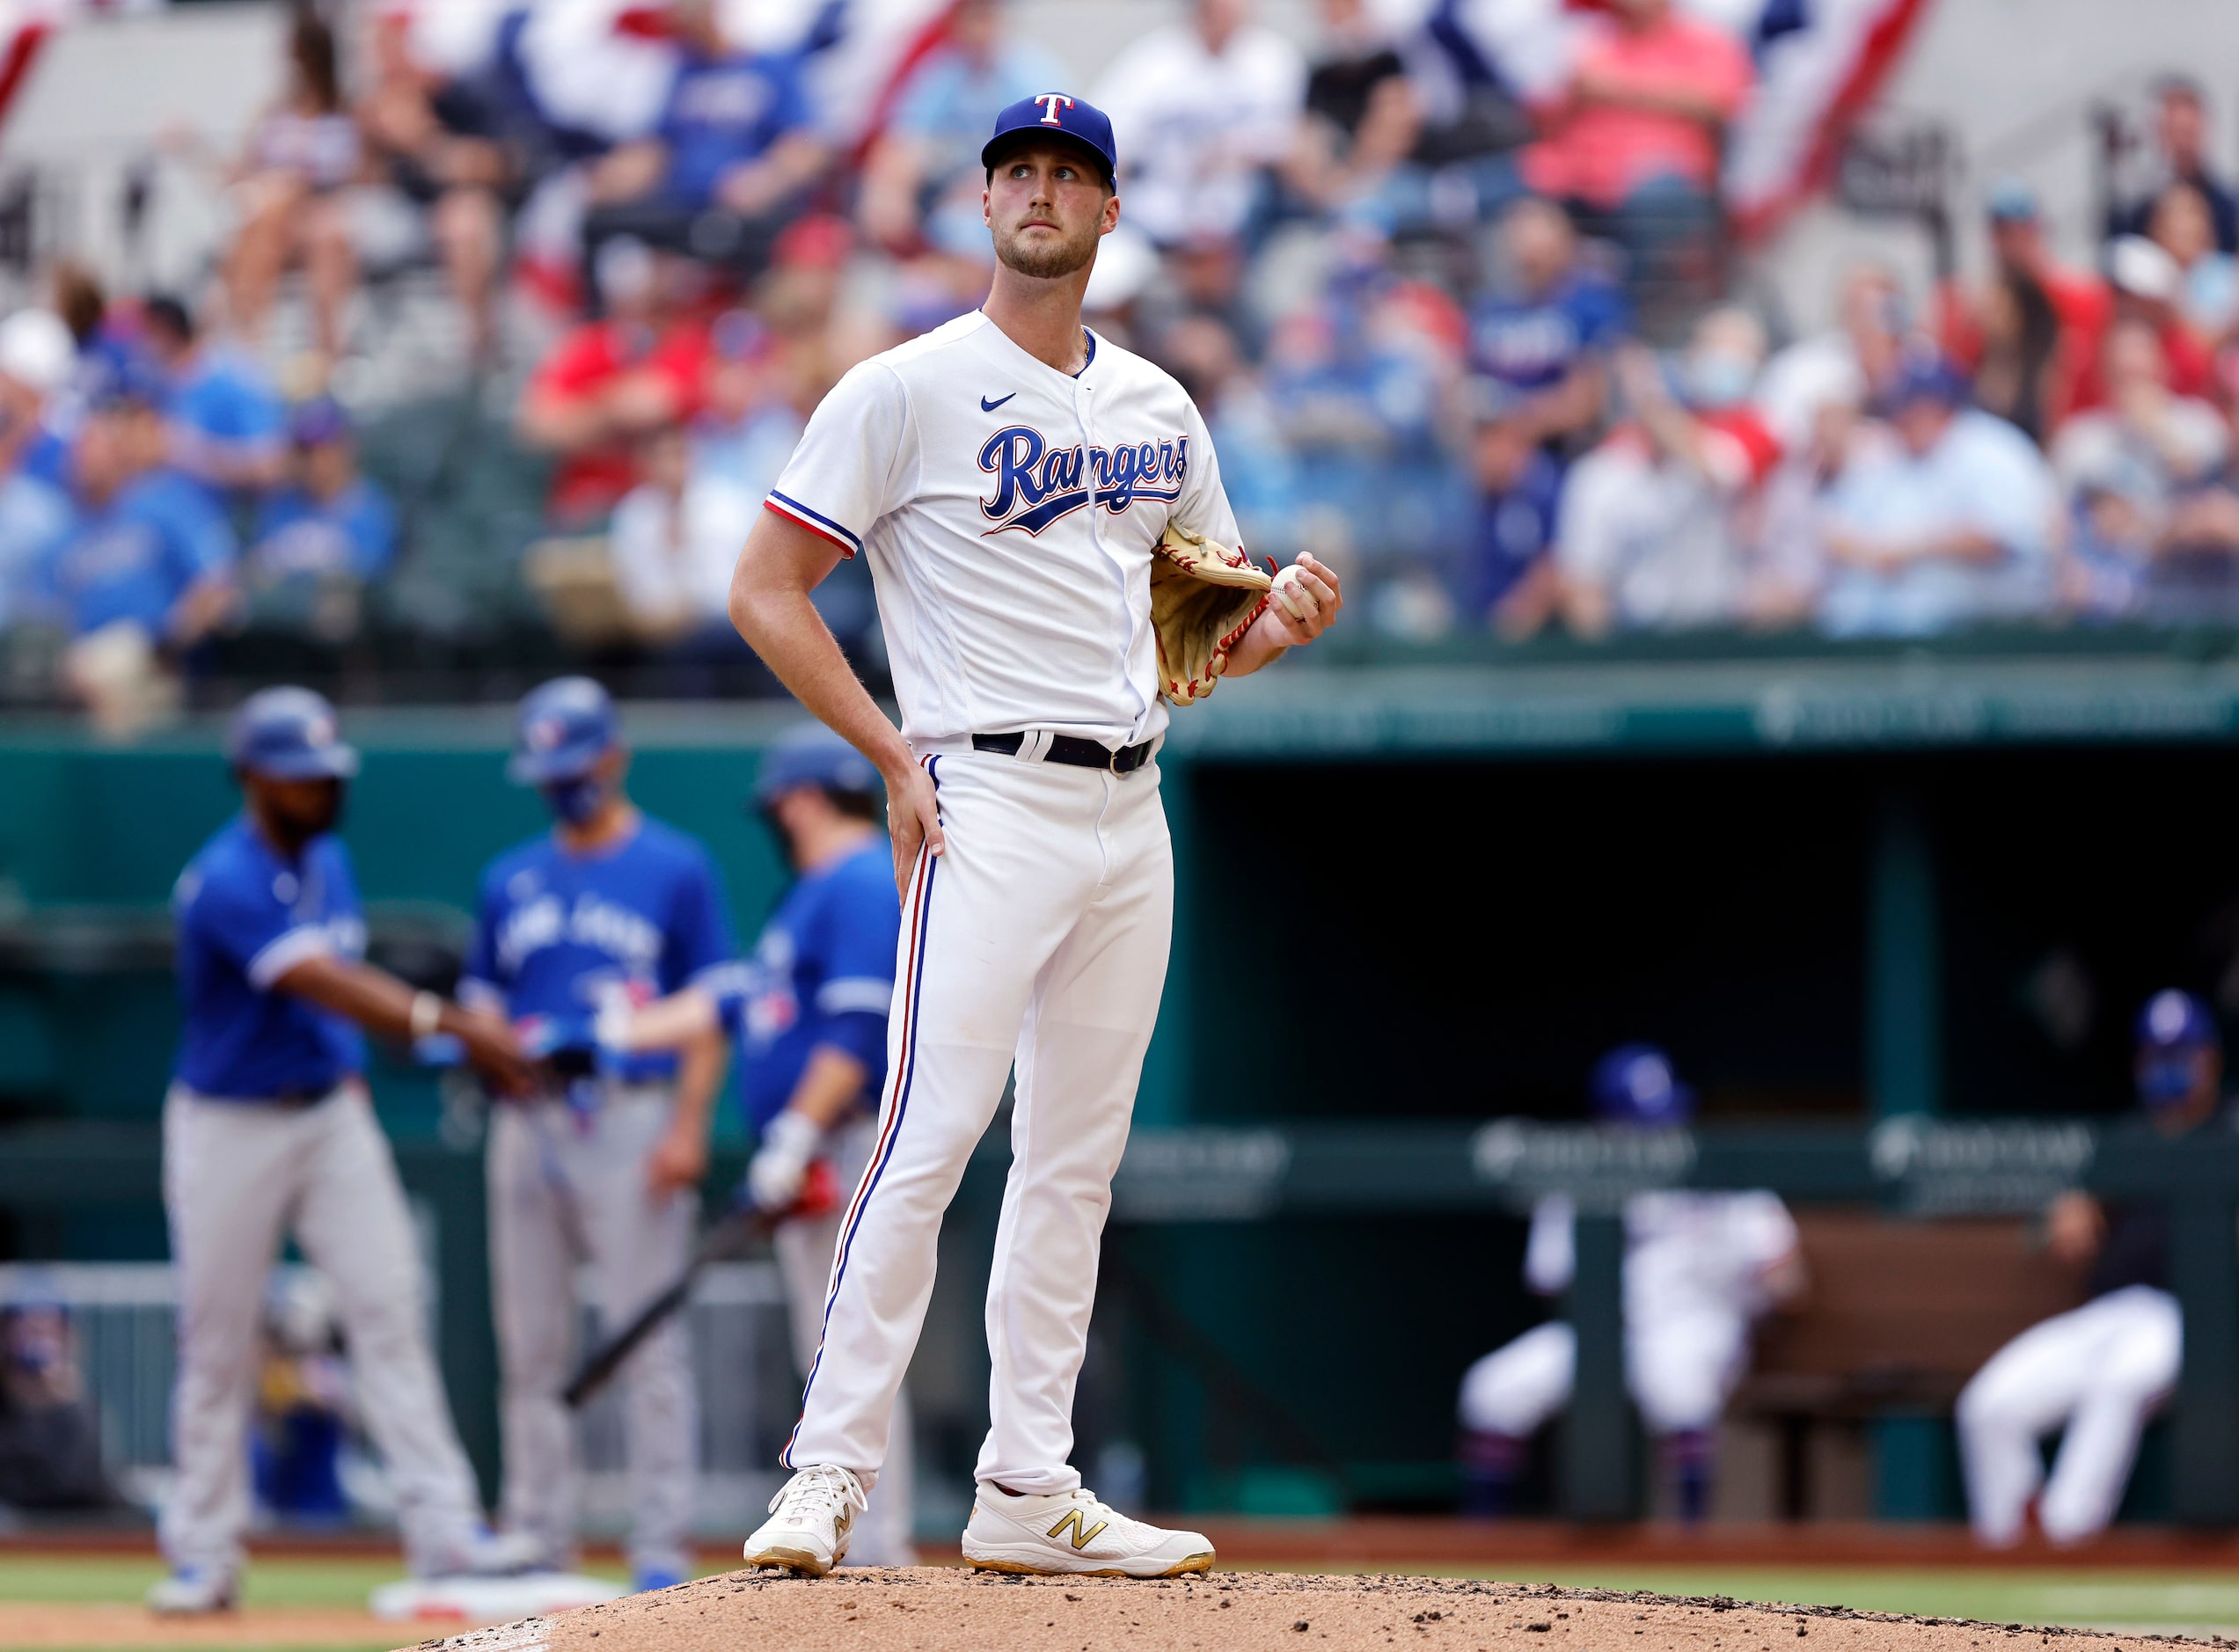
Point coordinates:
pixel 1685 1252
pixel 1009 510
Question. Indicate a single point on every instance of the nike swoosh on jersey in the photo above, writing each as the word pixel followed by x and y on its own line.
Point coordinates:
pixel 986 405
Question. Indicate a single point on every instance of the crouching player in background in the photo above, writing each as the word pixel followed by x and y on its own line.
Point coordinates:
pixel 810 1010
pixel 2097 1372
pixel 1700 1267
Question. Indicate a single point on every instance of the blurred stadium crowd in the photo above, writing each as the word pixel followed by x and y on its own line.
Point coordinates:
pixel 1478 349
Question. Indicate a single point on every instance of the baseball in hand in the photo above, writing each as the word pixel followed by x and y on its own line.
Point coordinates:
pixel 1292 596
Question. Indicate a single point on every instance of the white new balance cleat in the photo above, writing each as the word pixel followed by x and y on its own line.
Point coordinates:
pixel 193 1592
pixel 1075 1531
pixel 810 1521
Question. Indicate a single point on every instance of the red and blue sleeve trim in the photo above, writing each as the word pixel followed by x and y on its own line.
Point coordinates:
pixel 815 522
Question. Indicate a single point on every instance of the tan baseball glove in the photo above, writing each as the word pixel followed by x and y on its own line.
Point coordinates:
pixel 1204 595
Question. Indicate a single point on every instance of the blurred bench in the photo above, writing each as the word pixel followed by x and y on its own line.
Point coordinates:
pixel 1897 1316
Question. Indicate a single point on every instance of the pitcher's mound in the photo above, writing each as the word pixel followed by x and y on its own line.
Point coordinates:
pixel 928 1609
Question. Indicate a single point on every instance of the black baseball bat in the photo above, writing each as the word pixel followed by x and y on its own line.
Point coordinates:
pixel 727 1239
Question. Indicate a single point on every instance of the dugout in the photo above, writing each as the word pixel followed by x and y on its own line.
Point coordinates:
pixel 1838 885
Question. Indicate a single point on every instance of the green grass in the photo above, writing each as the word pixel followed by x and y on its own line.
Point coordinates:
pixel 324 1581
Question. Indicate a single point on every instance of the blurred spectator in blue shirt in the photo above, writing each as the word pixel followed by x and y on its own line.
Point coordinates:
pixel 322 537
pixel 1257 470
pixel 1953 528
pixel 147 545
pixel 922 178
pixel 228 425
pixel 1358 381
pixel 36 357
pixel 1546 327
pixel 732 151
pixel 1508 578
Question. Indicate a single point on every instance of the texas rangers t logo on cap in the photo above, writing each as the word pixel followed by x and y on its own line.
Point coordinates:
pixel 1046 116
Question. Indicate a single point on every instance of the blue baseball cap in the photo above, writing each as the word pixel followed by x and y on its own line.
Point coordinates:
pixel 288 734
pixel 316 422
pixel 2011 201
pixel 1634 1084
pixel 812 756
pixel 1926 375
pixel 2172 1028
pixel 1054 115
pixel 566 726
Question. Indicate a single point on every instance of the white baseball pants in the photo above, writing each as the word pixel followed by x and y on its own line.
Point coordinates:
pixel 237 1175
pixel 1680 1371
pixel 1039 937
pixel 567 1189
pixel 2098 1373
pixel 885 1534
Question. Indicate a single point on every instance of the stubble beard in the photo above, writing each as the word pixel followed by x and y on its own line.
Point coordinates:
pixel 1046 260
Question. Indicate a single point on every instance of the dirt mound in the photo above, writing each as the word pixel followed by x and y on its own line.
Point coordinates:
pixel 927 1609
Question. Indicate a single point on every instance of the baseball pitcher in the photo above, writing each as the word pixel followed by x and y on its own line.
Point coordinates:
pixel 1053 554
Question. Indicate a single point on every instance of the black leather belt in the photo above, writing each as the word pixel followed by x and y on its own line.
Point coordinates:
pixel 1071 748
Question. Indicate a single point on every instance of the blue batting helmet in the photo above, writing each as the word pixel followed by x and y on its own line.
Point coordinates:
pixel 288 734
pixel 566 726
pixel 1634 1084
pixel 2173 1029
pixel 812 756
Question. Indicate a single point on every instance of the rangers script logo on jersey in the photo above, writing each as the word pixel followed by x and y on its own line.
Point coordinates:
pixel 1037 484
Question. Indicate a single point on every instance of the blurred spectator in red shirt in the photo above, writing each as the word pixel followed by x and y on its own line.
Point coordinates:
pixel 1637 130
pixel 611 382
pixel 2039 372
pixel 2149 286
pixel 1650 99
pixel 1634 142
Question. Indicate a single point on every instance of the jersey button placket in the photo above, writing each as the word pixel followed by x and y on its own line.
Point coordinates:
pixel 1083 413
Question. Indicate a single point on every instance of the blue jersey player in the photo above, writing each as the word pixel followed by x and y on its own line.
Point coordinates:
pixel 603 1171
pixel 268 1129
pixel 810 1010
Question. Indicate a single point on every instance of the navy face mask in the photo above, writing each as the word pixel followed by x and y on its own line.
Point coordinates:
pixel 576 800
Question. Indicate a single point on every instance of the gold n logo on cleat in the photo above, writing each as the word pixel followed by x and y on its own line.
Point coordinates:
pixel 1082 1535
